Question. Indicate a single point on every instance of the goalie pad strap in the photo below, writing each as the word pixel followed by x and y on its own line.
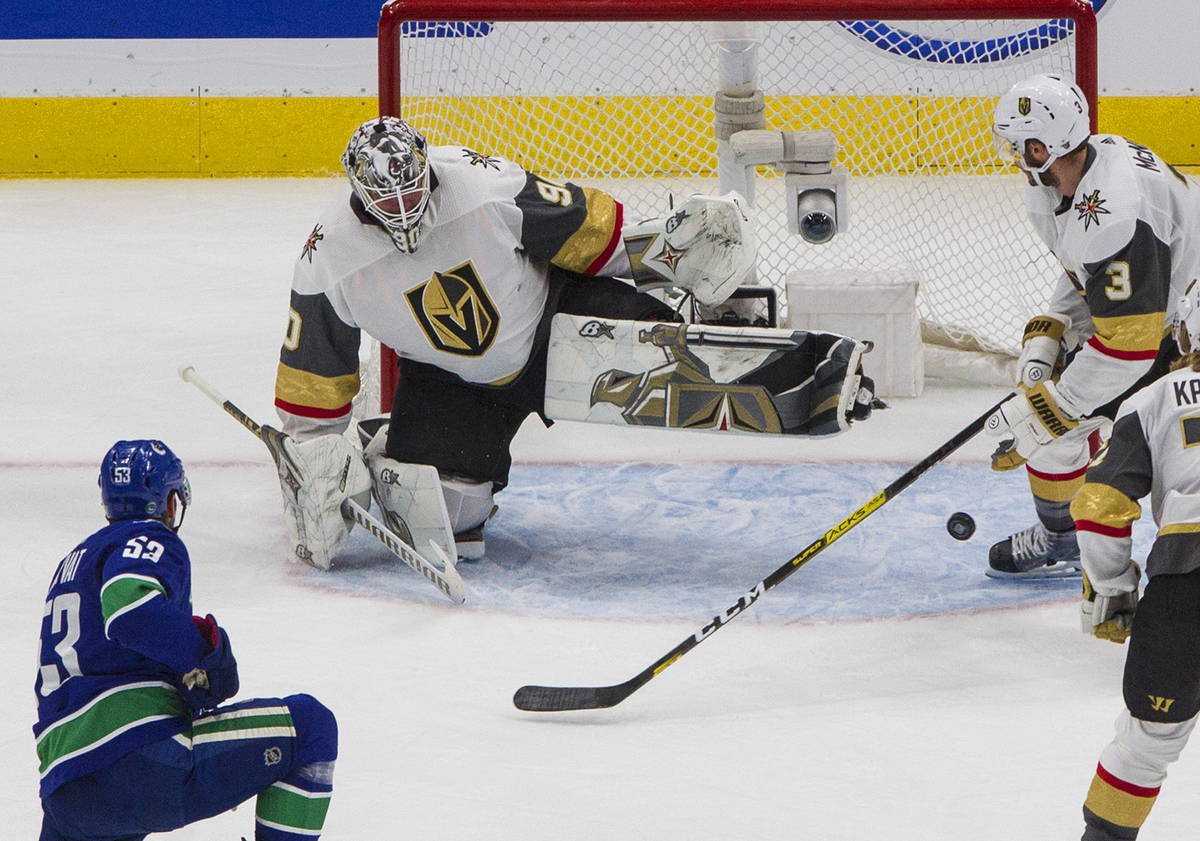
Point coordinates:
pixel 742 379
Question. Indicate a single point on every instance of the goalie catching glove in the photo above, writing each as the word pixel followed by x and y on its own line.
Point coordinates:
pixel 1107 612
pixel 707 247
pixel 1033 417
pixel 316 477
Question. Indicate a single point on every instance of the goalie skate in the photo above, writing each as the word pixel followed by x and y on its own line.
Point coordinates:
pixel 1035 552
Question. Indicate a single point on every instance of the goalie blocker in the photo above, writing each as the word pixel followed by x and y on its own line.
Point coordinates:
pixel 692 376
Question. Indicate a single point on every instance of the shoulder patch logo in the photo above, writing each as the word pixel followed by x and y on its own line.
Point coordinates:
pixel 480 159
pixel 310 244
pixel 1091 208
pixel 455 311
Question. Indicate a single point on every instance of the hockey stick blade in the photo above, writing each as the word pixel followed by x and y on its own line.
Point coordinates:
pixel 448 581
pixel 564 698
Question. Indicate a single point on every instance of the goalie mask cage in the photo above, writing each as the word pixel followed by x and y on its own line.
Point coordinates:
pixel 619 94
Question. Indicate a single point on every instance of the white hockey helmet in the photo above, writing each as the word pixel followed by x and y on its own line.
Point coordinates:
pixel 1185 324
pixel 386 163
pixel 1045 108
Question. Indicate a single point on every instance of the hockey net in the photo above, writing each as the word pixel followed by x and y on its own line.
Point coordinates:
pixel 597 93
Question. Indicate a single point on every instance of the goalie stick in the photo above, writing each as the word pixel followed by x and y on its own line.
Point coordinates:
pixel 447 580
pixel 561 698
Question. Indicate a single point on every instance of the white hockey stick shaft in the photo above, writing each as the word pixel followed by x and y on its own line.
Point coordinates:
pixel 447 580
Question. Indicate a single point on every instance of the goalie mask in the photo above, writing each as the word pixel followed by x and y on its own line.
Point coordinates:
pixel 1185 324
pixel 1044 108
pixel 138 479
pixel 386 163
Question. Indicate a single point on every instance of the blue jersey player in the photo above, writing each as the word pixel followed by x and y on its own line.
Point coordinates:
pixel 130 737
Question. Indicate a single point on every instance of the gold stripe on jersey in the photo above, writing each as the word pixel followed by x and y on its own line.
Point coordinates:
pixel 301 388
pixel 1131 332
pixel 593 237
pixel 503 381
pixel 1105 505
pixel 1054 490
pixel 1180 528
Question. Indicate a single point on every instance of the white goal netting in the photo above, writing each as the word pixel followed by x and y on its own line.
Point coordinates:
pixel 628 107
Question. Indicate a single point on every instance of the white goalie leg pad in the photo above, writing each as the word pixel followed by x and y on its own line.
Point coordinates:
pixel 707 246
pixel 412 502
pixel 322 474
pixel 410 496
pixel 704 377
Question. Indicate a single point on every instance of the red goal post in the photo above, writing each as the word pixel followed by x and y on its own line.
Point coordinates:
pixel 400 20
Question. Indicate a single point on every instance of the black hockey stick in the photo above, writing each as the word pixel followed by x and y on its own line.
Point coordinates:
pixel 560 698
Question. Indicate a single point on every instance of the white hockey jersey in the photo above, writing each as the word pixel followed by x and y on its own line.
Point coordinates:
pixel 1129 244
pixel 468 300
pixel 1153 450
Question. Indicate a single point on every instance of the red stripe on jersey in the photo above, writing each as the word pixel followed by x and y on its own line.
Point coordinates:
pixel 1128 788
pixel 1101 529
pixel 1128 355
pixel 312 411
pixel 1057 477
pixel 607 254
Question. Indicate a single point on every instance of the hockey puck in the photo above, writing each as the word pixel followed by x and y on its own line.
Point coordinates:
pixel 960 525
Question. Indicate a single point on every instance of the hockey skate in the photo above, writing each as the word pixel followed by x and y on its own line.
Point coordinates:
pixel 1035 552
pixel 470 543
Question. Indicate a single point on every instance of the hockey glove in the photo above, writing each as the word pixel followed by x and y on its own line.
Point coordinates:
pixel 216 678
pixel 706 246
pixel 1110 617
pixel 1033 417
pixel 1043 348
pixel 1005 456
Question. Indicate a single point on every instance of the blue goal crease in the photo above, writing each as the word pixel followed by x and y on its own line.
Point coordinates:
pixel 682 542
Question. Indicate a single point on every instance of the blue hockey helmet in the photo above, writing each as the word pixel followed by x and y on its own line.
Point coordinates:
pixel 137 479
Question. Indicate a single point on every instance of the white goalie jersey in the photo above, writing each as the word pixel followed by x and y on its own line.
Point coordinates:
pixel 1129 243
pixel 468 301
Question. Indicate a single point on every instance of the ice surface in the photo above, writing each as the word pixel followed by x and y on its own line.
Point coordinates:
pixel 886 690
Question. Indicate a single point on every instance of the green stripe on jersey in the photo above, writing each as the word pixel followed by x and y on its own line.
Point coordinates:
pixel 292 809
pixel 104 718
pixel 123 591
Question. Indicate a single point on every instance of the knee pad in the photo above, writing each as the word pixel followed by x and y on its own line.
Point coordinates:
pixel 1142 750
pixel 316 729
pixel 468 503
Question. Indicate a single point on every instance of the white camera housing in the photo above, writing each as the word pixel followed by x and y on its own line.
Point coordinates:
pixel 815 192
pixel 817 206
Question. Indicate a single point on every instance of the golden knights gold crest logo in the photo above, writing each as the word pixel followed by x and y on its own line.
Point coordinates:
pixel 1024 106
pixel 455 311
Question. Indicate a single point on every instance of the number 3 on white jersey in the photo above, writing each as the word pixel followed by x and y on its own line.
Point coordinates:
pixel 1119 288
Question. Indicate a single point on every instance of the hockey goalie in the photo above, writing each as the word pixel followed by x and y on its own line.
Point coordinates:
pixel 506 294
